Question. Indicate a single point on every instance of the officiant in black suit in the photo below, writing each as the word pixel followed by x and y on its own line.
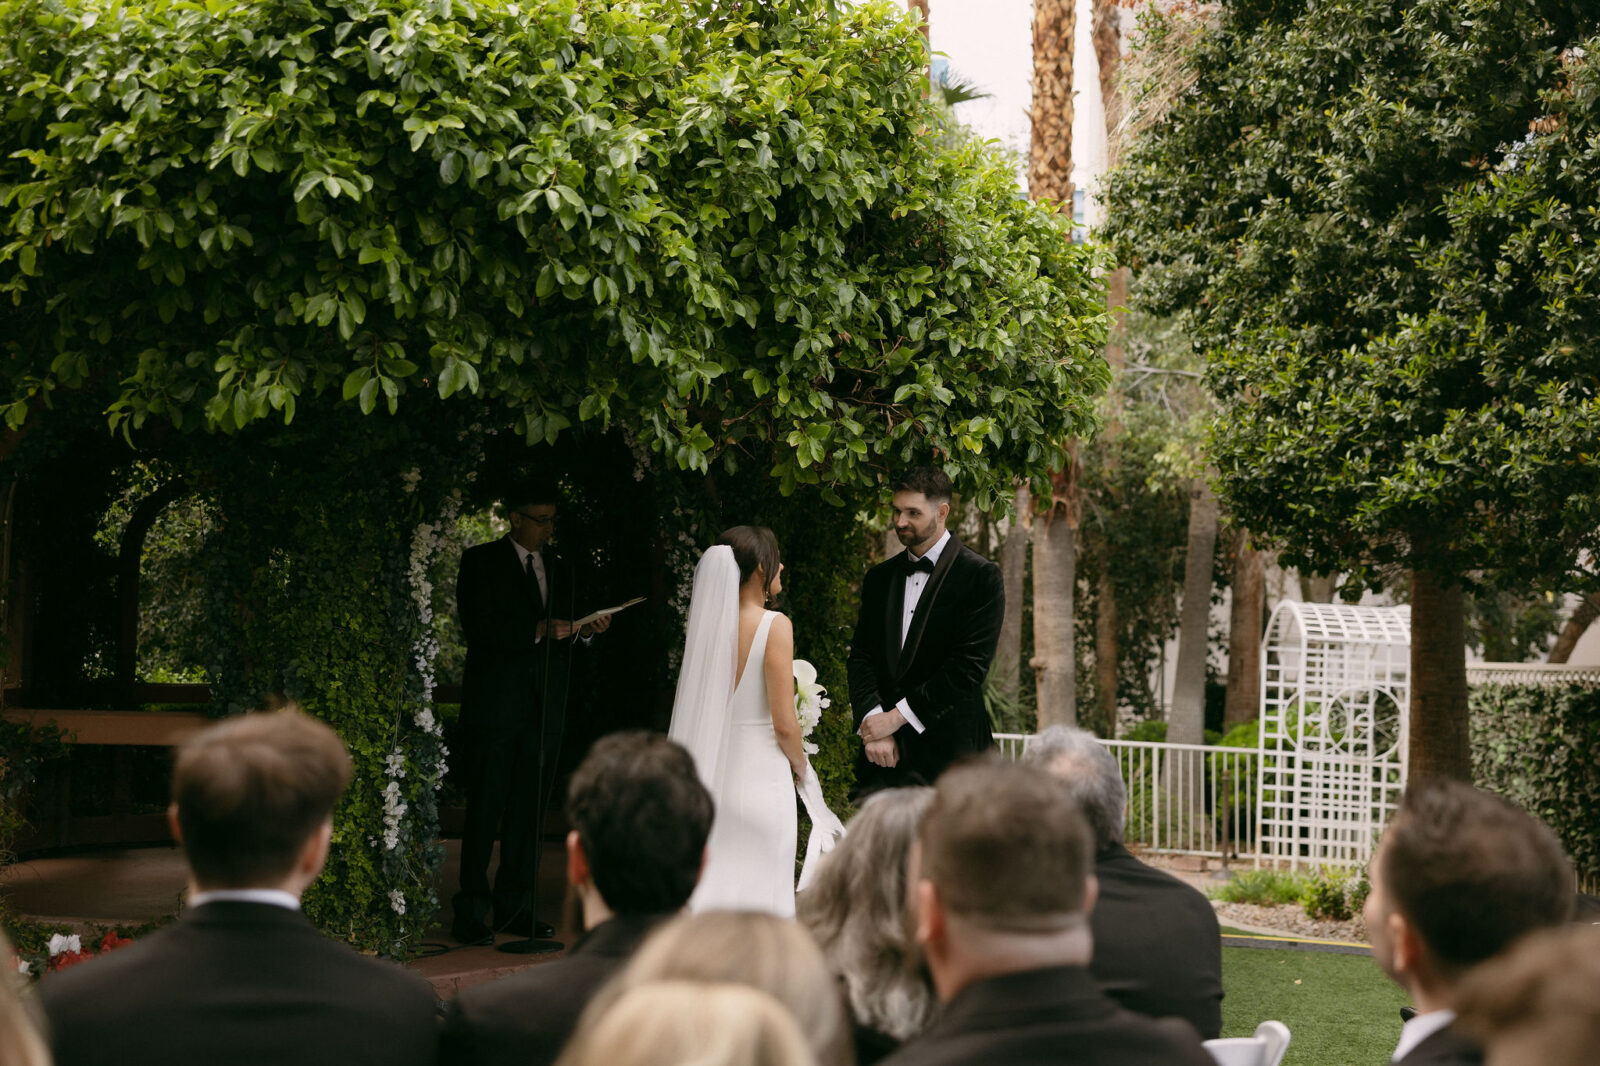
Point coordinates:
pixel 930 619
pixel 516 600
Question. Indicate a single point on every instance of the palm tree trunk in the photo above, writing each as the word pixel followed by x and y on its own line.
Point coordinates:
pixel 1007 668
pixel 1439 722
pixel 1105 657
pixel 1244 634
pixel 1050 144
pixel 1055 565
pixel 1186 721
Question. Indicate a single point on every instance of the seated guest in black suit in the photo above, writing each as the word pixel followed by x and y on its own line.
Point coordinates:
pixel 242 978
pixel 1459 876
pixel 1157 947
pixel 640 818
pixel 856 909
pixel 1539 1002
pixel 1002 886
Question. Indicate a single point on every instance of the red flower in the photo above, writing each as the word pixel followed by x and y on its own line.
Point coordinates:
pixel 111 941
pixel 68 958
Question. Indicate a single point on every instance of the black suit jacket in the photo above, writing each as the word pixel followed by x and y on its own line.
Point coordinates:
pixel 1157 947
pixel 505 667
pixel 527 1018
pixel 1444 1048
pixel 1048 1017
pixel 239 984
pixel 941 669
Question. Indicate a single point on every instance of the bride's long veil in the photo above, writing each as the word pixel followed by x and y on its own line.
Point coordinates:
pixel 710 664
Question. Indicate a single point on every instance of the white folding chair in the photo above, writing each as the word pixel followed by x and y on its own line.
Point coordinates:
pixel 1265 1048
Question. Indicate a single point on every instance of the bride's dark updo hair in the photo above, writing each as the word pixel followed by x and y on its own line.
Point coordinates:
pixel 753 546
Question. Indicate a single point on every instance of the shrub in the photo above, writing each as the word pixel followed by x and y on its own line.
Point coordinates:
pixel 1327 896
pixel 1540 748
pixel 1266 887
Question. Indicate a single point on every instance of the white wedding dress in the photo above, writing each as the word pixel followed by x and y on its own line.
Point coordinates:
pixel 750 856
pixel 726 724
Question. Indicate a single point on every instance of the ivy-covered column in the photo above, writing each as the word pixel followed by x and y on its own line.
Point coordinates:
pixel 322 581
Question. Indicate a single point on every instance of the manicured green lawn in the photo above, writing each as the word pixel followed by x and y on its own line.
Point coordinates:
pixel 1341 1009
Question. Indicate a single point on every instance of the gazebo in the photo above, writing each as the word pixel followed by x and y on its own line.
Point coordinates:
pixel 1335 690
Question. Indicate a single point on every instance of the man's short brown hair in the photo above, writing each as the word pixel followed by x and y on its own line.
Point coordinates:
pixel 1471 872
pixel 251 791
pixel 1005 847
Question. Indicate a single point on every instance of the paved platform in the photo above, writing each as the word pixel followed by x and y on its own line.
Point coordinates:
pixel 131 886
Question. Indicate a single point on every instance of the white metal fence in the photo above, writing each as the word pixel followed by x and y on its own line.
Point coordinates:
pixel 1192 799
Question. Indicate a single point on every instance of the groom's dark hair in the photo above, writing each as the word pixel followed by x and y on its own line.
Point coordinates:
pixel 932 482
pixel 643 817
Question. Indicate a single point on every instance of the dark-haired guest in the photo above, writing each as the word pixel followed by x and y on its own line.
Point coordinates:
pixel 1459 876
pixel 856 910
pixel 640 818
pixel 1002 886
pixel 516 600
pixel 1157 946
pixel 242 978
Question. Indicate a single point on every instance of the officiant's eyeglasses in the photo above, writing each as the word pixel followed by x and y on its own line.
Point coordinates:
pixel 537 519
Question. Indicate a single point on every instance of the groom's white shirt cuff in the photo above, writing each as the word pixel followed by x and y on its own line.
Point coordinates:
pixel 905 712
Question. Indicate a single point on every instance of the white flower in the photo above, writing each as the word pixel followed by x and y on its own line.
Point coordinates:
pixel 65 942
pixel 397 900
pixel 395 764
pixel 22 967
pixel 809 700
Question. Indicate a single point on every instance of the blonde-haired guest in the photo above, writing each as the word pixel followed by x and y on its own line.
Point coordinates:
pixel 20 1042
pixel 754 949
pixel 688 1023
pixel 1538 1002
pixel 856 908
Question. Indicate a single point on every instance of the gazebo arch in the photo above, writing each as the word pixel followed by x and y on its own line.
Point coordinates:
pixel 1335 692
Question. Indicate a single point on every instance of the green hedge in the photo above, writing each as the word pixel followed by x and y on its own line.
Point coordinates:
pixel 1540 748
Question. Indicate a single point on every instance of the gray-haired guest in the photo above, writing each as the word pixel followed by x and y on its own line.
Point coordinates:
pixel 1157 949
pixel 856 910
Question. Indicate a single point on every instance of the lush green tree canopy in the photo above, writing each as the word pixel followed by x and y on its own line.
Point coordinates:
pixel 1393 282
pixel 726 227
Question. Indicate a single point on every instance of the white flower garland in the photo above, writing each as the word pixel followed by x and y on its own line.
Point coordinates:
pixel 428 542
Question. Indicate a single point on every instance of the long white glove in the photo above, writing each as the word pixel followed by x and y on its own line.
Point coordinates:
pixel 826 829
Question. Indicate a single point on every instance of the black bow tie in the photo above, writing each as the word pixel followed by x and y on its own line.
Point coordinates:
pixel 923 565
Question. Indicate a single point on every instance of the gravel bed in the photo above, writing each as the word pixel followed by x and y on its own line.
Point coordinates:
pixel 1289 918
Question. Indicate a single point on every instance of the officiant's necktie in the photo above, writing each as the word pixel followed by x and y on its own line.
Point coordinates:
pixel 533 585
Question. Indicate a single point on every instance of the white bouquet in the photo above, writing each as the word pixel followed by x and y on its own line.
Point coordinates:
pixel 810 700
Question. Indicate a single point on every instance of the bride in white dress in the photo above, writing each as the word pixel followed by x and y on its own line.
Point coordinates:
pixel 734 711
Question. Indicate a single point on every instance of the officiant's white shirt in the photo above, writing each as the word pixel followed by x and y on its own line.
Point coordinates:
pixel 915 583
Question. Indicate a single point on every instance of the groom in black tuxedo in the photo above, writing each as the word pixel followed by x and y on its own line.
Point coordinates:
pixel 516 600
pixel 930 619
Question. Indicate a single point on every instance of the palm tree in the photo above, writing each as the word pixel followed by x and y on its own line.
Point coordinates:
pixel 1055 534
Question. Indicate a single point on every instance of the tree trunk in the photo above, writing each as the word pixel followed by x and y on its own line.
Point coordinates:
pixel 1055 565
pixel 1050 144
pixel 1007 668
pixel 1106 26
pixel 1582 618
pixel 920 9
pixel 1244 634
pixel 1186 721
pixel 1439 729
pixel 1105 657
pixel 1318 588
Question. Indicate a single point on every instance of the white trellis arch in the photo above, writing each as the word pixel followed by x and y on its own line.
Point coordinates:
pixel 1335 690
